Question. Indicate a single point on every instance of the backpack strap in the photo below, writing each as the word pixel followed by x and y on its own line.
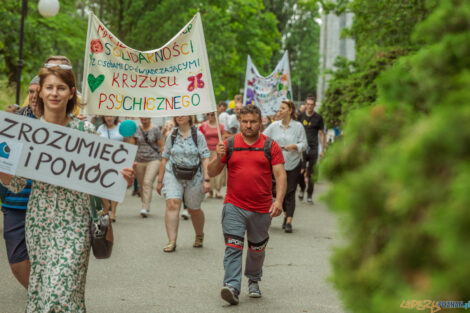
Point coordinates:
pixel 157 150
pixel 230 143
pixel 194 134
pixel 174 133
pixel 267 149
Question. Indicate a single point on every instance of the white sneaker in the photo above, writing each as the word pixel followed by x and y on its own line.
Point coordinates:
pixel 185 215
pixel 144 213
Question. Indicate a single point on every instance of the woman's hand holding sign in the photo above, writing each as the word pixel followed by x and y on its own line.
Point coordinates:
pixel 129 175
pixel 5 178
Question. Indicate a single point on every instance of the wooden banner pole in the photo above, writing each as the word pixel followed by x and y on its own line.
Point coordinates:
pixel 218 127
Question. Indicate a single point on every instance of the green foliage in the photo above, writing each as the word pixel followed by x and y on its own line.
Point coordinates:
pixel 350 90
pixel 65 34
pixel 300 37
pixel 233 29
pixel 302 41
pixel 401 175
pixel 386 23
pixel 7 95
pixel 383 32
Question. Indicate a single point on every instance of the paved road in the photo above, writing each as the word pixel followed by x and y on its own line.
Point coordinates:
pixel 140 278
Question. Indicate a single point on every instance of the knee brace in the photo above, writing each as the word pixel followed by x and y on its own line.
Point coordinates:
pixel 233 241
pixel 258 247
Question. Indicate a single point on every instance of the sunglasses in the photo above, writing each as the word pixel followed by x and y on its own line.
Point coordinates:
pixel 62 66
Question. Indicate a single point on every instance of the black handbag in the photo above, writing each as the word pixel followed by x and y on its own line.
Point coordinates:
pixel 101 232
pixel 185 173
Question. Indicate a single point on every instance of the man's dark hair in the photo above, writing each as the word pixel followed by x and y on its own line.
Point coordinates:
pixel 222 104
pixel 311 97
pixel 250 109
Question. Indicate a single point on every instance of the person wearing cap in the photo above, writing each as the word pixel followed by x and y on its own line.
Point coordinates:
pixel 31 109
pixel 15 204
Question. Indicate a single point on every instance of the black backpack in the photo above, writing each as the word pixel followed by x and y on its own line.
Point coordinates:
pixel 267 149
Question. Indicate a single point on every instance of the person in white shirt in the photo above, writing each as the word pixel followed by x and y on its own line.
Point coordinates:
pixel 223 115
pixel 290 135
pixel 233 123
pixel 110 129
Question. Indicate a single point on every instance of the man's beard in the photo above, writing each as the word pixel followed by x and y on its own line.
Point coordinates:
pixel 250 133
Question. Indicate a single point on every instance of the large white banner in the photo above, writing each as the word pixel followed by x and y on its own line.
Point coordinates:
pixel 64 157
pixel 170 81
pixel 268 92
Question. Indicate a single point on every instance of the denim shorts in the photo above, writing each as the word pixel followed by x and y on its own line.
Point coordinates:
pixel 14 234
pixel 174 188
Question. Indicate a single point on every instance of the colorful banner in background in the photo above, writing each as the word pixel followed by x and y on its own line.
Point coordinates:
pixel 170 81
pixel 268 92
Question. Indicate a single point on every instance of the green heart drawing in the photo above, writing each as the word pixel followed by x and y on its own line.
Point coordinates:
pixel 93 82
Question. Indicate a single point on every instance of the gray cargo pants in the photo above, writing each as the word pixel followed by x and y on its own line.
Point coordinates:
pixel 235 222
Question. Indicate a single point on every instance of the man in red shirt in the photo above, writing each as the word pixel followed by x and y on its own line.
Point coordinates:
pixel 248 205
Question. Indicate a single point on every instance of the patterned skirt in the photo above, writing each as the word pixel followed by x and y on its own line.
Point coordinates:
pixel 57 236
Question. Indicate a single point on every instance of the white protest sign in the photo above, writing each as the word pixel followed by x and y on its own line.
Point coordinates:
pixel 67 157
pixel 268 92
pixel 10 152
pixel 170 81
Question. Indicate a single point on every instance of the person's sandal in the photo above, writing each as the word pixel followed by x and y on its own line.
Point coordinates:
pixel 198 242
pixel 170 247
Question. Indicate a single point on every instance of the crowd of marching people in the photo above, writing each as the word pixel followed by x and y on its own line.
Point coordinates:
pixel 185 161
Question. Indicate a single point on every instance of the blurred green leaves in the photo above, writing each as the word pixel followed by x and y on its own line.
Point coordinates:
pixel 65 34
pixel 401 174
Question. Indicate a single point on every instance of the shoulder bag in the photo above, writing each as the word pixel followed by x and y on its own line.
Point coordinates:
pixel 101 231
pixel 145 135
